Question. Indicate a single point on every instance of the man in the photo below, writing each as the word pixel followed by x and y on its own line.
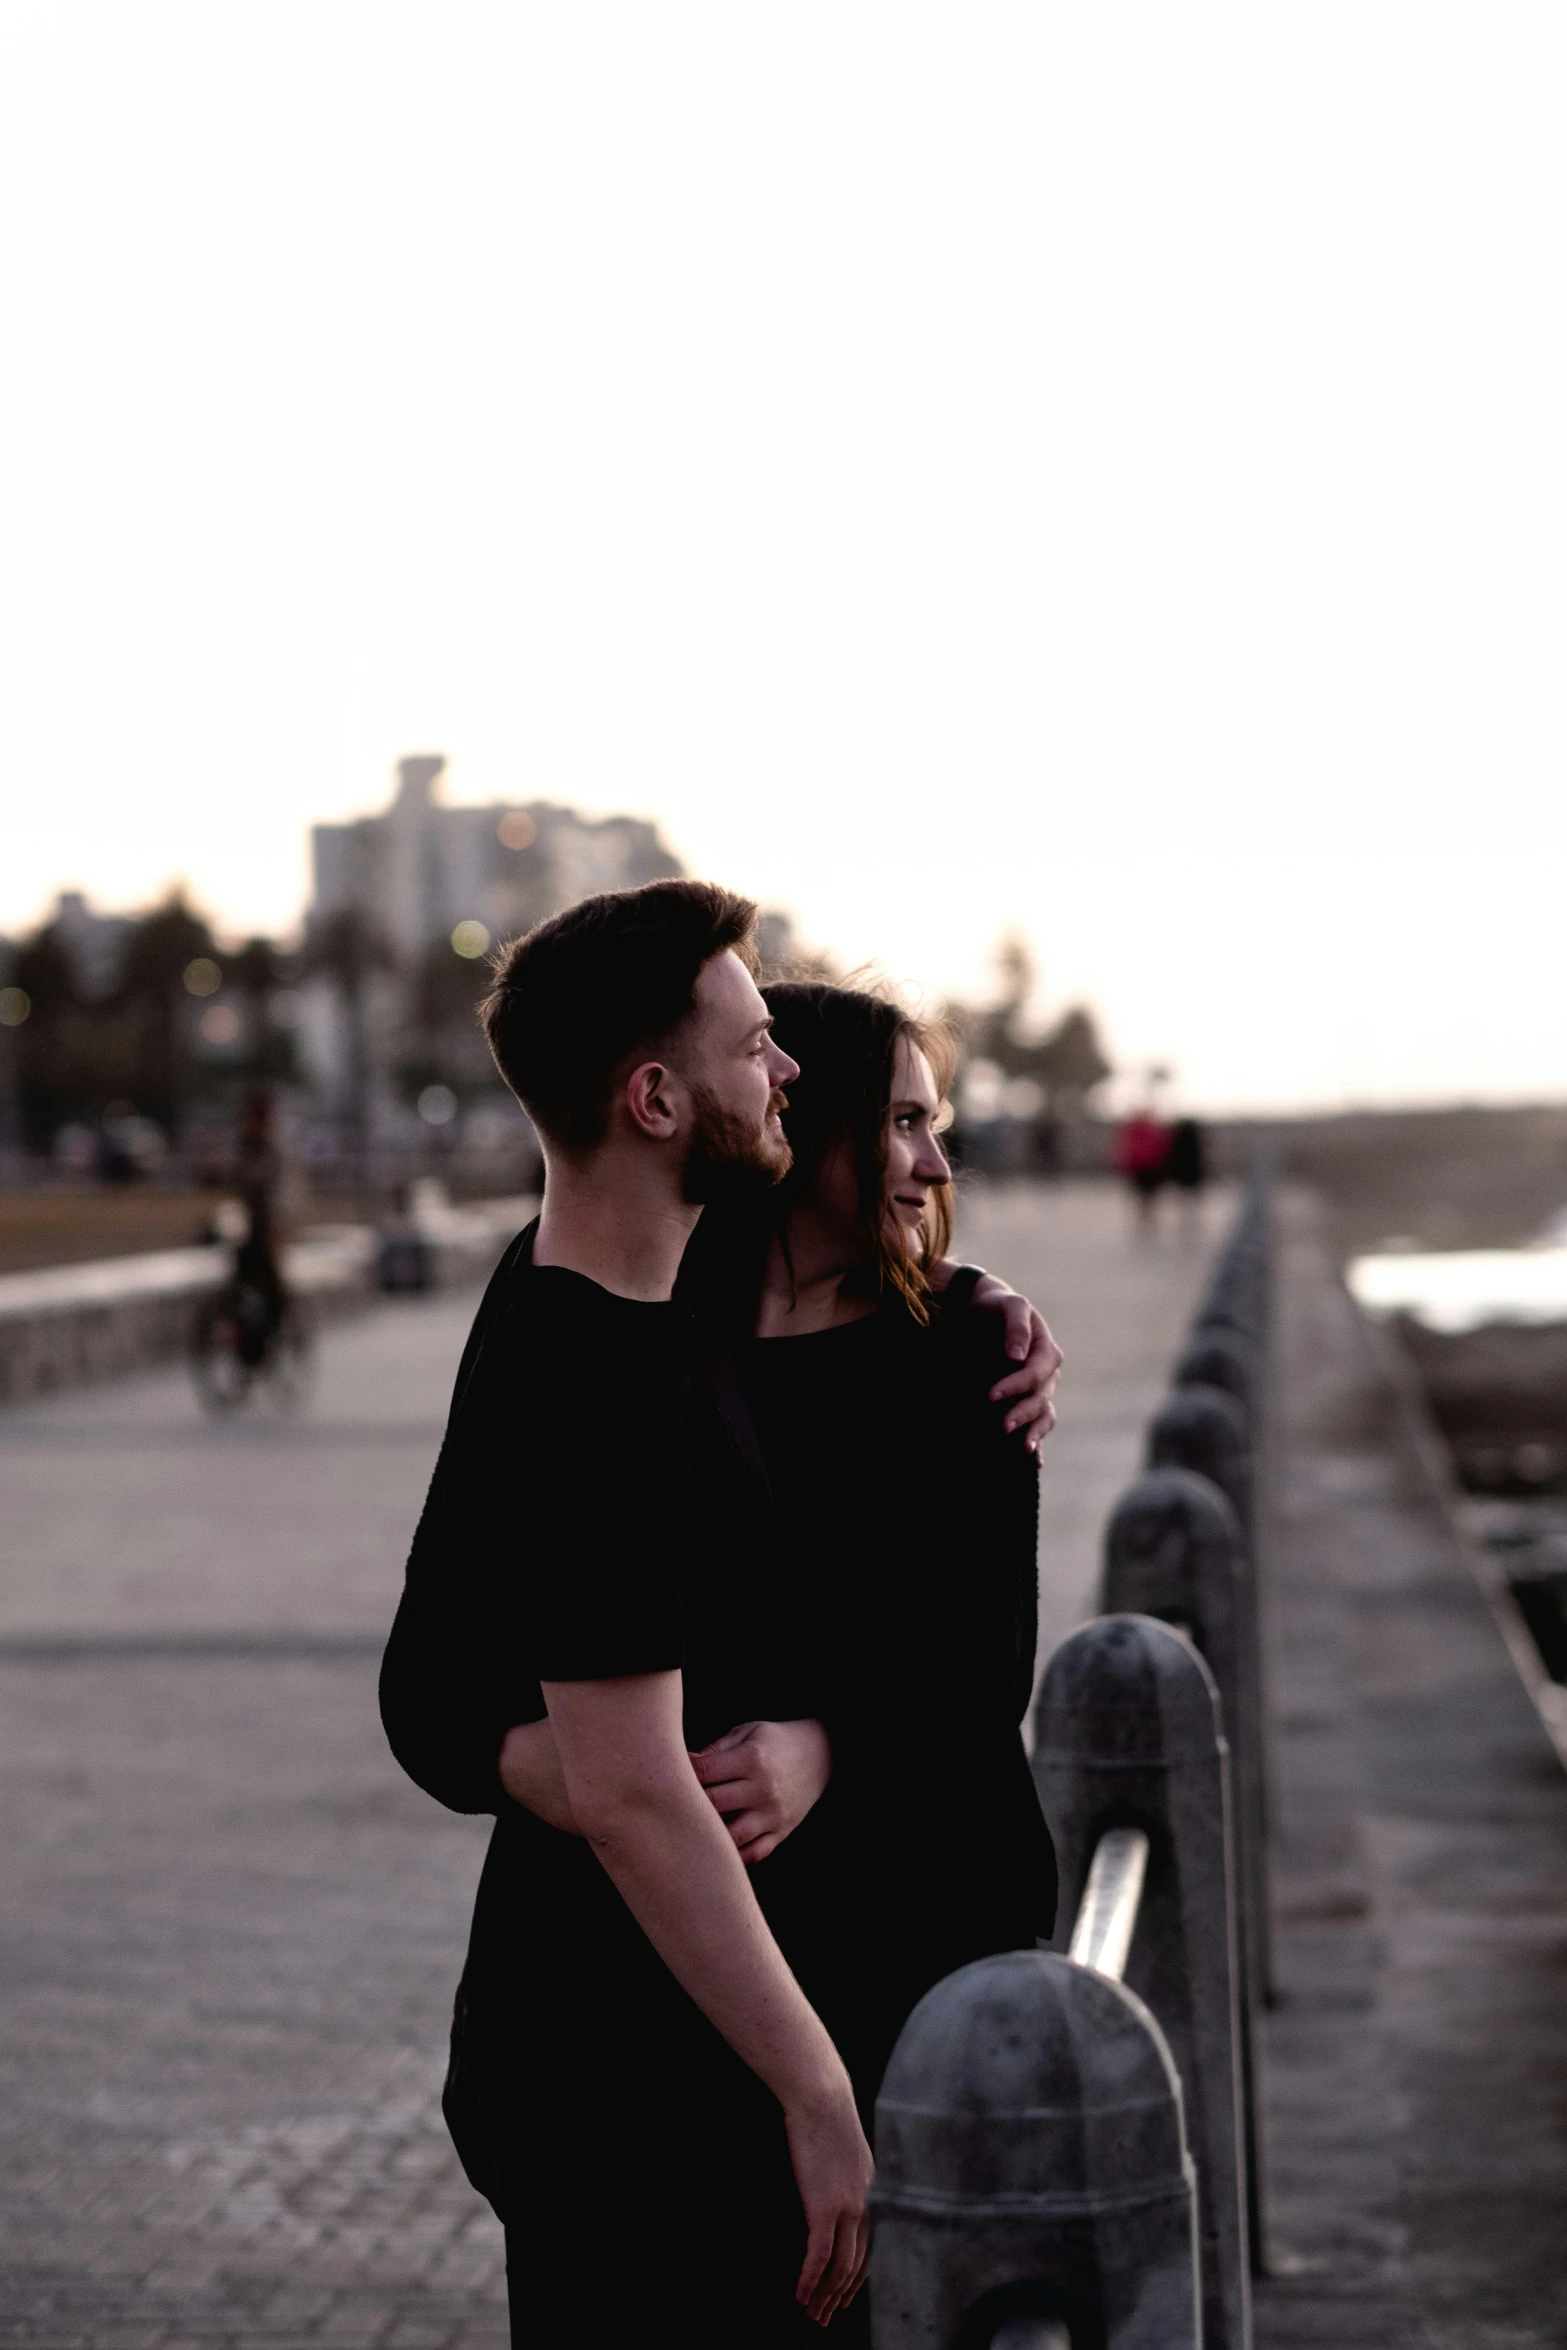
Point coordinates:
pixel 637 2083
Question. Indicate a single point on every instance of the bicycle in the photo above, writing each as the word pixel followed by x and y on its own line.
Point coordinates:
pixel 249 1335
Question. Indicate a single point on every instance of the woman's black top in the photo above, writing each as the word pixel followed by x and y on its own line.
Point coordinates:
pixel 910 1522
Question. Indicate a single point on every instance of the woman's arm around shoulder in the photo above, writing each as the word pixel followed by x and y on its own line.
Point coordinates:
pixel 1027 1393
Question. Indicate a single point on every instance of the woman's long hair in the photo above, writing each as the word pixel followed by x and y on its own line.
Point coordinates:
pixel 846 1042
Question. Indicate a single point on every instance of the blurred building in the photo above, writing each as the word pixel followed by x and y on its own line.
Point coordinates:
pixel 405 908
pixel 421 868
pixel 367 1027
pixel 93 943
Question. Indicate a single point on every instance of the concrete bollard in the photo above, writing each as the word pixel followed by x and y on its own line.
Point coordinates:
pixel 1232 1338
pixel 404 1263
pixel 1173 1550
pixel 1127 1734
pixel 1239 1296
pixel 1031 2168
pixel 1205 1430
pixel 1218 1357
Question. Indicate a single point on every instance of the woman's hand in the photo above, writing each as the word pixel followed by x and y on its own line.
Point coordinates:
pixel 762 1778
pixel 1031 1388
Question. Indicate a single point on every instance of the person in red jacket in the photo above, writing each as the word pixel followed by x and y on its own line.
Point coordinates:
pixel 1142 1155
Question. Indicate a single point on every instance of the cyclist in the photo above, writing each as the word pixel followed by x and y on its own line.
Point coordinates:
pixel 250 1328
pixel 258 1170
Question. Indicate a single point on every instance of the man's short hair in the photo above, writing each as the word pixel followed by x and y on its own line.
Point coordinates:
pixel 592 991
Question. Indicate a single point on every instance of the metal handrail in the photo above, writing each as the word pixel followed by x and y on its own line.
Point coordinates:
pixel 1107 1913
pixel 1101 1938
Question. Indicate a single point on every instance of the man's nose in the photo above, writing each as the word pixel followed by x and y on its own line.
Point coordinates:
pixel 784 1070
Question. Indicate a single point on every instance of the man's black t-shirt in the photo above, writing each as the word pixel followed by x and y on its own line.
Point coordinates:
pixel 600 1507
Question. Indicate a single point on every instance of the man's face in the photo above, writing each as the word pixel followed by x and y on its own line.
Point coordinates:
pixel 736 1075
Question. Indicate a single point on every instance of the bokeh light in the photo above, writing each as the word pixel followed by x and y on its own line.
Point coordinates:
pixel 437 1105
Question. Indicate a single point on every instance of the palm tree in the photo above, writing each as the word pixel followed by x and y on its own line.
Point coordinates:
pixel 154 992
pixel 40 1049
pixel 346 947
pixel 1070 1061
pixel 255 974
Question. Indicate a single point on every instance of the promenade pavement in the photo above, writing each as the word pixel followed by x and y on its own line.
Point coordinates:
pixel 1415 2068
pixel 231 1928
pixel 1119 1303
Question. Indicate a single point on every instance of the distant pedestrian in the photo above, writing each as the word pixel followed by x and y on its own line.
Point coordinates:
pixel 1142 1155
pixel 1187 1164
pixel 258 1178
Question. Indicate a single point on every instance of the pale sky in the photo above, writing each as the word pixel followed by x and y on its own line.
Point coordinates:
pixel 1097 471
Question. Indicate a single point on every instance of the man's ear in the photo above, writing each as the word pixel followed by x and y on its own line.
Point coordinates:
pixel 649 1098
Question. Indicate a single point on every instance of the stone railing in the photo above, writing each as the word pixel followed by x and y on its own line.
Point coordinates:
pixel 1067 2142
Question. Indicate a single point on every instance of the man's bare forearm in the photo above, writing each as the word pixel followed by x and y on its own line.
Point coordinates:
pixel 761 1778
pixel 531 1774
pixel 670 1857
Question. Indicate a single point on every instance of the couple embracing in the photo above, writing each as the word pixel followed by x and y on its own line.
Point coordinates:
pixel 723 1602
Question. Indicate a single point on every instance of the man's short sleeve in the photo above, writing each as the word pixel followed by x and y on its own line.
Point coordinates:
pixel 592 1553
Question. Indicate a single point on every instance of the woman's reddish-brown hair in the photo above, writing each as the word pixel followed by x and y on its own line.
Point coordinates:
pixel 846 1041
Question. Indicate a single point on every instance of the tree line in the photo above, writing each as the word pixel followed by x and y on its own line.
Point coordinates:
pixel 167 1023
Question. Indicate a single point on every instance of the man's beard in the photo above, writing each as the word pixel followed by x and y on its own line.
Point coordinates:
pixel 730 1159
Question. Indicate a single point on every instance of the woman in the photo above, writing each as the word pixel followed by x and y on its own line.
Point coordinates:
pixel 897 1835
pixel 910 1517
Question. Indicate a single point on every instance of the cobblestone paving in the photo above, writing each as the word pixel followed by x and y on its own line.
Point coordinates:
pixel 231 1939
pixel 231 1928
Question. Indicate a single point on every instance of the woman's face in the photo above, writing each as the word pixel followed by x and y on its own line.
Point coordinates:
pixel 915 1159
